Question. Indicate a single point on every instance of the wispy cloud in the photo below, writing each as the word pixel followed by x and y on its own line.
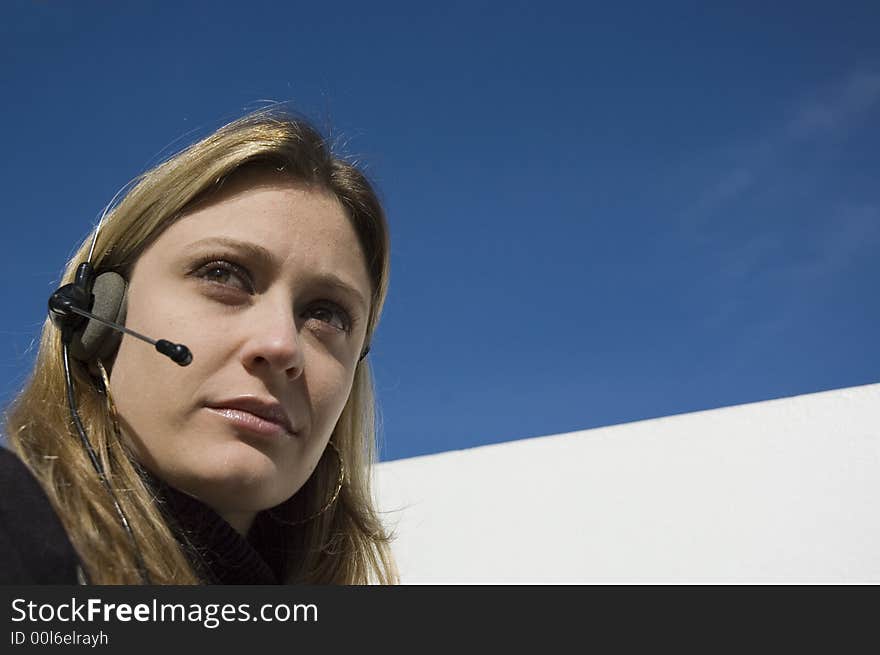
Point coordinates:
pixel 769 223
pixel 841 110
pixel 851 232
pixel 848 237
pixel 831 112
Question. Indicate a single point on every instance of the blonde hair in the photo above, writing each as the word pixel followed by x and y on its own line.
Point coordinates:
pixel 347 544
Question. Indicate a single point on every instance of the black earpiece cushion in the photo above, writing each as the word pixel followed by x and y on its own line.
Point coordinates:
pixel 98 341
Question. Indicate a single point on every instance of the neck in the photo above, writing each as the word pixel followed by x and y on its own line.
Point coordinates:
pixel 241 522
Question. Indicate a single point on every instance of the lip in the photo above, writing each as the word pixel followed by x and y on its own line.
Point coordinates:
pixel 254 414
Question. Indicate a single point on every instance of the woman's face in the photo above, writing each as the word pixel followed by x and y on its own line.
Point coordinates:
pixel 267 286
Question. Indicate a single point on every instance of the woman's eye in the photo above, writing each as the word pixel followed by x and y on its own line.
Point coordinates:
pixel 227 274
pixel 331 315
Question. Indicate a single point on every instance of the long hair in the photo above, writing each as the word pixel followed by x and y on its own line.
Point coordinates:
pixel 347 544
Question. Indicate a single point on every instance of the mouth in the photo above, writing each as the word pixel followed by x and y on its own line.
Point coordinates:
pixel 253 415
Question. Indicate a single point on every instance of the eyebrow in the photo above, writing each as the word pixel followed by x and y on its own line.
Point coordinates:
pixel 252 249
pixel 268 259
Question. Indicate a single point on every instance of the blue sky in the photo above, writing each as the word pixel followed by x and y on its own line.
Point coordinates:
pixel 599 214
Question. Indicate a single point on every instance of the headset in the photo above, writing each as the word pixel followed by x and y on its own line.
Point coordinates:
pixel 89 312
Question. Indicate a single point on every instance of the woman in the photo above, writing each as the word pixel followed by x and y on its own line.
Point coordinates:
pixel 268 258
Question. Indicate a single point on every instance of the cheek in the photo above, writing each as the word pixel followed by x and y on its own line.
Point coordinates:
pixel 151 391
pixel 329 397
pixel 176 319
pixel 137 397
pixel 144 389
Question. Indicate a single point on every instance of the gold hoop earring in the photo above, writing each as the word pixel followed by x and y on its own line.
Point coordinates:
pixel 339 482
pixel 108 399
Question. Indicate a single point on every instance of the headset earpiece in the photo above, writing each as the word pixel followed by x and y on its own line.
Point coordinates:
pixel 98 341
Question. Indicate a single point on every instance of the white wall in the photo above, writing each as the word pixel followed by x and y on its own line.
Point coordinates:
pixel 783 491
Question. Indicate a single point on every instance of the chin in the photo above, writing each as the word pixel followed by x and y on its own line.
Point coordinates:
pixel 237 477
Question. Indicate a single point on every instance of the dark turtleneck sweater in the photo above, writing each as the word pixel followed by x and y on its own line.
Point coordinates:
pixel 34 548
pixel 219 554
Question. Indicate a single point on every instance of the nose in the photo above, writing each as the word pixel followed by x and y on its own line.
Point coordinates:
pixel 272 343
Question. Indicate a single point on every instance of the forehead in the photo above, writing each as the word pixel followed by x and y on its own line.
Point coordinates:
pixel 303 228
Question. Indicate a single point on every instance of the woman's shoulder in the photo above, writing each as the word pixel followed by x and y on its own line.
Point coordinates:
pixel 34 548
